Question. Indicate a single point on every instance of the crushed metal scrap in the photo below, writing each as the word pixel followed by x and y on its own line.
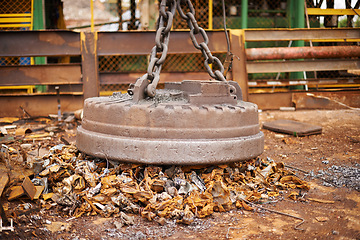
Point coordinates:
pixel 82 185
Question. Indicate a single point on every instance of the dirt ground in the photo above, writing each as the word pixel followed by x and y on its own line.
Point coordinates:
pixel 328 212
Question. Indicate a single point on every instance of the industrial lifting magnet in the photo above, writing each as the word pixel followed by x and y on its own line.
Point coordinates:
pixel 186 123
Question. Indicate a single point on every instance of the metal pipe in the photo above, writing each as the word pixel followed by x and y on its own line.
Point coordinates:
pixel 302 52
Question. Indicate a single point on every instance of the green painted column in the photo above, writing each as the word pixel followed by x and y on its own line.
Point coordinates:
pixel 38 24
pixel 244 14
pixel 297 20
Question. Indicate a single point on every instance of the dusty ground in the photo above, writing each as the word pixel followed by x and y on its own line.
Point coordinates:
pixel 336 216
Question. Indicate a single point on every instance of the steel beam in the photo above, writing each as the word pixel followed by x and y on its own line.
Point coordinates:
pixel 239 71
pixel 127 78
pixel 299 66
pixel 326 100
pixel 261 35
pixel 40 75
pixel 38 105
pixel 39 43
pixel 302 52
pixel 267 101
pixel 331 11
pixel 301 100
pixel 141 43
pixel 90 66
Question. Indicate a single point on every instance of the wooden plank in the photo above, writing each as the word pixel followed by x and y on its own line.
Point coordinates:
pixel 330 11
pixel 40 74
pixel 90 66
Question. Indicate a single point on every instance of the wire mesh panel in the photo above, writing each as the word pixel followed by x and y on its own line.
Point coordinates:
pixel 16 15
pixel 260 14
pixel 15 6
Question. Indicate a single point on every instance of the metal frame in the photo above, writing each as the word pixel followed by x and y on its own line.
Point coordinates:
pixel 91 45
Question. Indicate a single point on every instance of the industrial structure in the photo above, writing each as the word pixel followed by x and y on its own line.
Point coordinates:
pixel 264 37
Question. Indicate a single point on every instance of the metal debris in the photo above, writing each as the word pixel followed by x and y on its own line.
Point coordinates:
pixel 340 176
pixel 82 185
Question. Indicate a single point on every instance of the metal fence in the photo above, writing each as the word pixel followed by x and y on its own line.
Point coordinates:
pixel 260 14
pixel 11 10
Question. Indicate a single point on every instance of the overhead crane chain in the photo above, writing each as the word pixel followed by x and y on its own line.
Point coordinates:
pixel 149 81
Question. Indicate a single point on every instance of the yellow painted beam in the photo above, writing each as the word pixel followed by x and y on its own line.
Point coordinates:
pixel 16 15
pixel 336 40
pixel 15 20
pixel 211 14
pixel 330 11
pixel 15 25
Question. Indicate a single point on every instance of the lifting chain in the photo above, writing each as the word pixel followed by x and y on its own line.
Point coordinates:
pixel 146 85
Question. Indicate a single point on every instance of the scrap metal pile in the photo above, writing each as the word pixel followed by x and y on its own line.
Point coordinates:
pixel 76 184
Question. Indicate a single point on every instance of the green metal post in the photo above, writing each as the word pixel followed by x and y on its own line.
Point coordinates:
pixel 297 13
pixel 244 14
pixel 38 24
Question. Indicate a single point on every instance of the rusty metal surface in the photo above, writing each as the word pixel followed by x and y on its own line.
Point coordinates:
pixel 38 105
pixel 301 34
pixel 327 100
pixel 39 43
pixel 299 66
pixel 40 74
pixel 42 105
pixel 90 66
pixel 271 100
pixel 291 127
pixel 239 71
pixel 139 42
pixel 167 129
pixel 302 52
pixel 126 78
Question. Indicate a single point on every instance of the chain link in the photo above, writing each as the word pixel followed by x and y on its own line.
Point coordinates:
pixel 166 14
pixel 203 46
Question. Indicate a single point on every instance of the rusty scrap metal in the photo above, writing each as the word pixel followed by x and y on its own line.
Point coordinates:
pixel 302 52
pixel 157 192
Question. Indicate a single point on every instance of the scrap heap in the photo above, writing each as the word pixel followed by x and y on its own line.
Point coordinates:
pixel 82 185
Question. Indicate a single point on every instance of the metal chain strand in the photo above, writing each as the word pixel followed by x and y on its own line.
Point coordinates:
pixel 164 23
pixel 166 15
pixel 203 46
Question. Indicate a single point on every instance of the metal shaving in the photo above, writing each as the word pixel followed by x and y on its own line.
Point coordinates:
pixel 341 176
